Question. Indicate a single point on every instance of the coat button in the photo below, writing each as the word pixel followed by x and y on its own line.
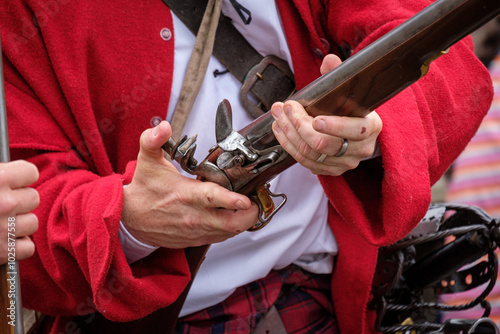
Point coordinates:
pixel 155 121
pixel 318 53
pixel 166 34
pixel 326 44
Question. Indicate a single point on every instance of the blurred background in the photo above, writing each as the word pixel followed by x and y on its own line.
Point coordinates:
pixel 474 178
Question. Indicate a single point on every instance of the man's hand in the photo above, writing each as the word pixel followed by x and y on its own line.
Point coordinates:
pixel 166 209
pixel 16 202
pixel 308 139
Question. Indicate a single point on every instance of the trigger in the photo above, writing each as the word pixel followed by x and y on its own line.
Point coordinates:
pixel 265 200
pixel 267 209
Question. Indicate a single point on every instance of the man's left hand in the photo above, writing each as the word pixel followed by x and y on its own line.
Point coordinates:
pixel 327 145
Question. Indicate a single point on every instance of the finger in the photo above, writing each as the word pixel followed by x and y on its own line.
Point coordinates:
pixel 352 128
pixel 335 167
pixel 18 201
pixel 211 195
pixel 152 140
pixel 238 221
pixel 304 141
pixel 219 224
pixel 288 123
pixel 26 199
pixel 353 154
pixel 18 173
pixel 25 224
pixel 306 145
pixel 329 63
pixel 24 248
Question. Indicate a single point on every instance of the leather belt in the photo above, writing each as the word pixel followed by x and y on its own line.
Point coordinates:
pixel 268 79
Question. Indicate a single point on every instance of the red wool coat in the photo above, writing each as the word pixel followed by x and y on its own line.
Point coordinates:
pixel 85 78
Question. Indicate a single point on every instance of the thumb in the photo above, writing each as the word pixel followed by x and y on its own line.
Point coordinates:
pixel 329 63
pixel 152 140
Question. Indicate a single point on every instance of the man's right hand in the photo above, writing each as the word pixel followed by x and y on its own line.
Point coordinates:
pixel 164 208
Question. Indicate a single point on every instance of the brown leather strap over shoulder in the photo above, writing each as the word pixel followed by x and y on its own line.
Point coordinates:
pixel 272 82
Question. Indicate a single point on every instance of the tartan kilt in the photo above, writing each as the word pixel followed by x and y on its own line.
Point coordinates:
pixel 302 299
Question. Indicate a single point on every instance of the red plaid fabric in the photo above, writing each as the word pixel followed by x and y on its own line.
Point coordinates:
pixel 302 299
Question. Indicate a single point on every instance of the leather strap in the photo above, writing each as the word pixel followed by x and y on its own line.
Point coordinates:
pixel 234 52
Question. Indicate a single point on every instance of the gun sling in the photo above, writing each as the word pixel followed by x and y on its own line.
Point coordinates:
pixel 271 79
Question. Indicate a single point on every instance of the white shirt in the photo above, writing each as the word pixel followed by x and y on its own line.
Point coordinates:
pixel 299 232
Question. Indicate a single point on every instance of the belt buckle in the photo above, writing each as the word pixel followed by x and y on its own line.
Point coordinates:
pixel 255 74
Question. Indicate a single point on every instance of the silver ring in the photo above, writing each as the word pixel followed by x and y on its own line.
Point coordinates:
pixel 322 158
pixel 343 149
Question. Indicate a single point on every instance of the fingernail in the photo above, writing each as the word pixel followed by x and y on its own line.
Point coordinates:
pixel 288 111
pixel 155 130
pixel 319 125
pixel 240 205
pixel 276 111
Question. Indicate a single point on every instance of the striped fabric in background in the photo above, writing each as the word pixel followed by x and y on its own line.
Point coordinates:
pixel 476 172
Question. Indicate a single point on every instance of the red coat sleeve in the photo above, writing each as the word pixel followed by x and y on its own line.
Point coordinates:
pixel 56 121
